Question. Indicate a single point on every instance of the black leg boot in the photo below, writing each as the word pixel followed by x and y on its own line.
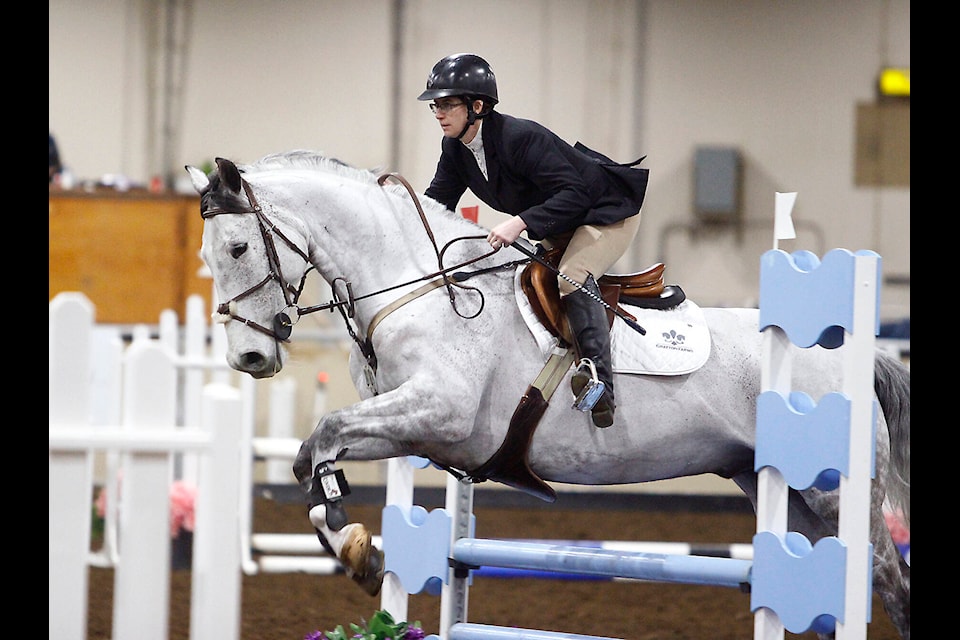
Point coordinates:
pixel 591 334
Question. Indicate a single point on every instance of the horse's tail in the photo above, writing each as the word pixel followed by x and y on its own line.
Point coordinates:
pixel 892 384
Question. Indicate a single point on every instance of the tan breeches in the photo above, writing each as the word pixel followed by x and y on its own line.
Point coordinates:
pixel 593 249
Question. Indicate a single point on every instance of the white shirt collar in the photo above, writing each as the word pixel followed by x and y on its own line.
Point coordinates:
pixel 477 142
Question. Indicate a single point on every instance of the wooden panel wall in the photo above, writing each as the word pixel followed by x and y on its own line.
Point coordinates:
pixel 133 254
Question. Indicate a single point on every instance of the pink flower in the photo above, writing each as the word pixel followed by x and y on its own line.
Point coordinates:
pixel 183 497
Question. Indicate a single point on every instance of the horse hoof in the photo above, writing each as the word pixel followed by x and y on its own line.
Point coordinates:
pixel 371 580
pixel 355 551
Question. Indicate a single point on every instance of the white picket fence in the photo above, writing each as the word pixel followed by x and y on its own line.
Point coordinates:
pixel 98 403
pixel 145 441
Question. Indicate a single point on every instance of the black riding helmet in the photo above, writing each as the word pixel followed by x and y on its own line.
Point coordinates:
pixel 463 74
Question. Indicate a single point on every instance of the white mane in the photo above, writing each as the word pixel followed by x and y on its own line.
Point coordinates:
pixel 315 160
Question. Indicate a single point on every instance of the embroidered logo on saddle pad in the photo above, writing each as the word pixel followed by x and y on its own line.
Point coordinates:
pixel 677 340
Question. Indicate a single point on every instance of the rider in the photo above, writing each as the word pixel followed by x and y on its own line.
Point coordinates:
pixel 559 194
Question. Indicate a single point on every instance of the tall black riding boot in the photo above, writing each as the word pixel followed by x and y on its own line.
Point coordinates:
pixel 591 334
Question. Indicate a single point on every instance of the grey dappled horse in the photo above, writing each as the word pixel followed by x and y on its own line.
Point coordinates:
pixel 440 375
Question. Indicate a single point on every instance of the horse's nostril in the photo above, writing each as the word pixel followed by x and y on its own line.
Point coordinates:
pixel 252 361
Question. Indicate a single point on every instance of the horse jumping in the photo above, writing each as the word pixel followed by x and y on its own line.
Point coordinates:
pixel 443 353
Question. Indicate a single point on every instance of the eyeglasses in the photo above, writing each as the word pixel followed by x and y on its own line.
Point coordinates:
pixel 445 107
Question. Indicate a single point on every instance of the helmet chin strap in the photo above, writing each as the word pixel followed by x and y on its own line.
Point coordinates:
pixel 472 116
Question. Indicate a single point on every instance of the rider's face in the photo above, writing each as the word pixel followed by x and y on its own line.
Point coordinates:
pixel 451 113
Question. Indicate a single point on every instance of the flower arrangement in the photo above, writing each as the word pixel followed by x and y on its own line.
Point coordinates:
pixel 183 499
pixel 381 627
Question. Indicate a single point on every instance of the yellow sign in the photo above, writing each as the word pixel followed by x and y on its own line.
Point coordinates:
pixel 895 82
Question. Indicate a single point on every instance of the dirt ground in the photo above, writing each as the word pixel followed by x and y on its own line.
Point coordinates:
pixel 290 606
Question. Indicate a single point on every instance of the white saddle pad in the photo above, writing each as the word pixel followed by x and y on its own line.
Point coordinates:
pixel 677 340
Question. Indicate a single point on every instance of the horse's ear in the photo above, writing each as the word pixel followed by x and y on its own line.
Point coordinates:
pixel 199 179
pixel 229 174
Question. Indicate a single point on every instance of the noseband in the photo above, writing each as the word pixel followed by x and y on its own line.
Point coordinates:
pixel 282 323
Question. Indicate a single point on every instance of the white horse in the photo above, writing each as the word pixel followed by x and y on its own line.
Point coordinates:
pixel 441 373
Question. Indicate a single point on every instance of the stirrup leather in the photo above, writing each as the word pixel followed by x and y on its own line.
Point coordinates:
pixel 590 394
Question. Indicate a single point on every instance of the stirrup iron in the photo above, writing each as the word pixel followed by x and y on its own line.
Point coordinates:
pixel 590 394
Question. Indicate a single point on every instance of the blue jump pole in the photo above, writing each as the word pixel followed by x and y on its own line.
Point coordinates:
pixel 727 572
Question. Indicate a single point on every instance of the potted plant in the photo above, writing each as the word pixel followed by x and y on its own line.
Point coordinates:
pixel 381 626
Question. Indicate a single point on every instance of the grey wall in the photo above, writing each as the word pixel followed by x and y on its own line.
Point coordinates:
pixel 130 94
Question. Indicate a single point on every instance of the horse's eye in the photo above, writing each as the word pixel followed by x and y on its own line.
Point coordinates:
pixel 238 250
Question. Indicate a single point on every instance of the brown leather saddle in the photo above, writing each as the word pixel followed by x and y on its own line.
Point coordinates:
pixel 641 289
pixel 509 465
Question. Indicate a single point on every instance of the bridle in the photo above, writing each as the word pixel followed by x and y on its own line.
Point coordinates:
pixel 282 324
pixel 291 313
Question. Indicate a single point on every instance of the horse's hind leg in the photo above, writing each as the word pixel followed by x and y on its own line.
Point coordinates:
pixel 891 574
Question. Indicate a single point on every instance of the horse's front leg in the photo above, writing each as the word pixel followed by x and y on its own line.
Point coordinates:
pixel 384 426
pixel 351 543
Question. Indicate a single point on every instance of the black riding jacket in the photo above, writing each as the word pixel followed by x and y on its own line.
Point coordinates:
pixel 553 186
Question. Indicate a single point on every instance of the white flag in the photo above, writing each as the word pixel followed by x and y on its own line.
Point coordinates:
pixel 783 222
